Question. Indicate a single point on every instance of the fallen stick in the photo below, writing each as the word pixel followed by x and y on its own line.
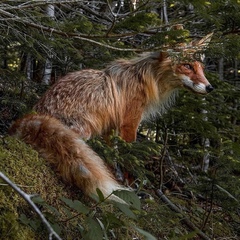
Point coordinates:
pixel 174 208
pixel 28 199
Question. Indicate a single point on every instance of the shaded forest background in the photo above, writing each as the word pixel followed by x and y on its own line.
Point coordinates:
pixel 188 158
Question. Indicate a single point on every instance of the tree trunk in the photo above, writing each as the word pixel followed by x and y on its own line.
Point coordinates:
pixel 220 69
pixel 206 144
pixel 164 12
pixel 29 67
pixel 50 12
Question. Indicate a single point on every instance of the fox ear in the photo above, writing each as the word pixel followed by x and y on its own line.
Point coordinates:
pixel 195 47
pixel 202 43
pixel 162 56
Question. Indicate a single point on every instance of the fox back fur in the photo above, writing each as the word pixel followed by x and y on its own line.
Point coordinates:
pixel 92 102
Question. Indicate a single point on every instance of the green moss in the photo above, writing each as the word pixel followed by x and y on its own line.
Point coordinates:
pixel 11 229
pixel 22 165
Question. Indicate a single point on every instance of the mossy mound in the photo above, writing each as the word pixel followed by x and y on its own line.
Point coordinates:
pixel 22 165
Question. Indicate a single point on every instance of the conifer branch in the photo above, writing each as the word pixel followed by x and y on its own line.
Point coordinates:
pixel 79 36
pixel 28 199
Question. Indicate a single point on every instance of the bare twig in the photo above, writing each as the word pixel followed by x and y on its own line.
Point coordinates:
pixel 174 208
pixel 28 199
pixel 65 34
pixel 164 151
pixel 210 209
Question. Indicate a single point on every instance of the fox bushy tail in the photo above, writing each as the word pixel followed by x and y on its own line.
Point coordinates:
pixel 73 159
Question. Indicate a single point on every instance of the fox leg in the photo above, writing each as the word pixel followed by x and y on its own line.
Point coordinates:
pixel 131 121
pixel 128 130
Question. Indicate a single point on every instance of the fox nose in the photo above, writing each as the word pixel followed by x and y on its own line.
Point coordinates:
pixel 209 88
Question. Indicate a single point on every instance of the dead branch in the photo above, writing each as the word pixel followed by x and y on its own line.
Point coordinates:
pixel 174 208
pixel 28 199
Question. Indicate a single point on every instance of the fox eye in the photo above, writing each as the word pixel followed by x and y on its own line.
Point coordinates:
pixel 188 66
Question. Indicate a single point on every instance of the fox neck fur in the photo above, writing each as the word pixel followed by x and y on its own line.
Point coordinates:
pixel 94 102
pixel 149 83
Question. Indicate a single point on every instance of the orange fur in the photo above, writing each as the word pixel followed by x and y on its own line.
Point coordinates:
pixel 92 102
pixel 72 158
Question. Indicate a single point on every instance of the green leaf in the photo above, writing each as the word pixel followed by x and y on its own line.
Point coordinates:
pixel 225 191
pixel 95 232
pixel 38 200
pixel 129 197
pixel 100 195
pixel 56 227
pixel 114 220
pixel 76 205
pixel 147 235
pixel 103 228
pixel 125 209
pixel 24 219
pixel 52 209
pixel 67 212
pixel 33 223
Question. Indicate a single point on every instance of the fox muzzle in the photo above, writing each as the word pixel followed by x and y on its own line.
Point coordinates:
pixel 209 88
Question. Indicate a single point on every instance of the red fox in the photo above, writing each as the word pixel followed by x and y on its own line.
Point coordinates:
pixel 93 102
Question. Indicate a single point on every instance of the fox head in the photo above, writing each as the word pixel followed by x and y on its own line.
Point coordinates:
pixel 189 73
pixel 192 77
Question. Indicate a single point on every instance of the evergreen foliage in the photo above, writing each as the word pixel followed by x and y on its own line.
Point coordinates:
pixel 171 151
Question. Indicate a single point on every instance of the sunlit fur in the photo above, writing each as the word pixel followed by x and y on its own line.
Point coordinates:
pixel 93 102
